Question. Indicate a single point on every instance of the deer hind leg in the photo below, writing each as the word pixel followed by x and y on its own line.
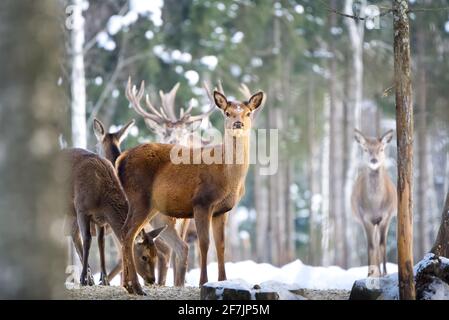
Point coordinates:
pixel 181 251
pixel 118 267
pixel 180 274
pixel 104 281
pixel 218 228
pixel 163 259
pixel 202 218
pixel 78 244
pixel 373 251
pixel 84 227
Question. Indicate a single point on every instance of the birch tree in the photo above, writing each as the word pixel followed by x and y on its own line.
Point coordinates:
pixel 356 30
pixel 78 80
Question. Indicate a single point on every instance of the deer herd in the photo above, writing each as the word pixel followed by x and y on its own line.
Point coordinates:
pixel 140 189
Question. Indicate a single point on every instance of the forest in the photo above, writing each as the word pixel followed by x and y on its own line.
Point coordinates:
pixel 348 86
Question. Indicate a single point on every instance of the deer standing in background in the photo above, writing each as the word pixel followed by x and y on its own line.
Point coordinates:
pixel 177 130
pixel 205 192
pixel 374 200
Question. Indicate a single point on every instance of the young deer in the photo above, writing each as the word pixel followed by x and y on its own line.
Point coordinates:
pixel 147 246
pixel 171 129
pixel 97 197
pixel 374 200
pixel 206 192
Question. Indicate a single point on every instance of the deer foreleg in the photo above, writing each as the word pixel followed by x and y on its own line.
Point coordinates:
pixel 218 228
pixel 373 250
pixel 202 221
pixel 384 226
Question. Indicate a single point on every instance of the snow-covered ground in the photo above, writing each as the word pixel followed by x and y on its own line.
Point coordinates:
pixel 307 277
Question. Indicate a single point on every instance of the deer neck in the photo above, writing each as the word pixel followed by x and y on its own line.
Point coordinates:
pixel 109 152
pixel 237 149
pixel 375 181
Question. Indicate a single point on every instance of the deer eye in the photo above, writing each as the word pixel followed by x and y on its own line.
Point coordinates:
pixel 144 258
pixel 227 114
pixel 248 114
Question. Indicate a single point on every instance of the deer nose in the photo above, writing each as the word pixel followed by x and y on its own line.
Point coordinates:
pixel 237 125
pixel 373 161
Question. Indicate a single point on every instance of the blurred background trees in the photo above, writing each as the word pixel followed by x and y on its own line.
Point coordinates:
pixel 323 74
pixel 32 186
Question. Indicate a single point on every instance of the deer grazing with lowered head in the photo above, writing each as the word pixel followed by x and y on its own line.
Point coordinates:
pixel 206 191
pixel 177 130
pixel 148 244
pixel 97 199
pixel 374 200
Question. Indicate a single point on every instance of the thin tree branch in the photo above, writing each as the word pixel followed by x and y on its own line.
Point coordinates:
pixel 122 63
pixel 357 18
pixel 427 9
pixel 89 44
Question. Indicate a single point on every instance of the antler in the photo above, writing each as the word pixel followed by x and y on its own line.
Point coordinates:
pixel 166 113
pixel 244 90
pixel 134 97
pixel 168 101
pixel 203 115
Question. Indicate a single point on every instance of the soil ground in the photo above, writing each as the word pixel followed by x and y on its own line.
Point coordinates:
pixel 174 293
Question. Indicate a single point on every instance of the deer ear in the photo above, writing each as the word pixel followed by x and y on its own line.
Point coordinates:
pixel 220 100
pixel 359 137
pixel 99 129
pixel 141 237
pixel 387 137
pixel 123 132
pixel 255 101
pixel 154 234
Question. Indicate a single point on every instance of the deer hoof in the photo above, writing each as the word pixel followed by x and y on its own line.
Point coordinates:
pixel 104 281
pixel 135 288
pixel 87 280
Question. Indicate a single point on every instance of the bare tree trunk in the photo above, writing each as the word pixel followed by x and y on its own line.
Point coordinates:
pixel 313 178
pixel 441 245
pixel 356 35
pixel 31 186
pixel 289 213
pixel 78 81
pixel 336 194
pixel 404 127
pixel 423 186
pixel 262 215
pixel 326 225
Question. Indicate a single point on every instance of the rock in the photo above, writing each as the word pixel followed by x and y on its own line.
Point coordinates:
pixel 237 289
pixel 261 295
pixel 384 288
pixel 431 279
pixel 241 290
pixel 283 290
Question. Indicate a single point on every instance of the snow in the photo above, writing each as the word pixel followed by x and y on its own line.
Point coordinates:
pixel 210 61
pixel 192 77
pixel 237 37
pixel 295 273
